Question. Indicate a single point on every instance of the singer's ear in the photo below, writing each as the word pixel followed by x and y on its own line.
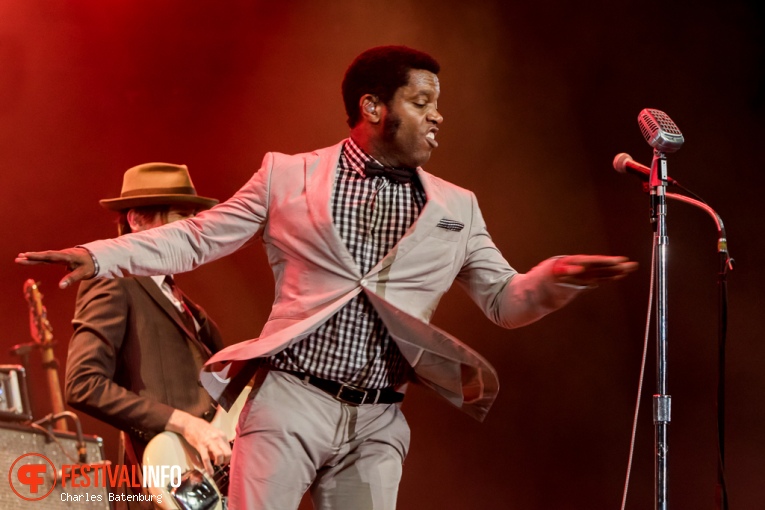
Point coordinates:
pixel 369 108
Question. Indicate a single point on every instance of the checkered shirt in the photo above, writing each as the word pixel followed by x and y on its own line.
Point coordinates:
pixel 371 214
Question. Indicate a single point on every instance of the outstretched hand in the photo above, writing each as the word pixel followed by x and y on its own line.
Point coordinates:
pixel 591 269
pixel 77 260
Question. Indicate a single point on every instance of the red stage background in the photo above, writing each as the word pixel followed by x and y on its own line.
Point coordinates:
pixel 538 97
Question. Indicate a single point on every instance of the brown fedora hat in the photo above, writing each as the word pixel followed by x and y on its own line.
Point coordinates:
pixel 157 184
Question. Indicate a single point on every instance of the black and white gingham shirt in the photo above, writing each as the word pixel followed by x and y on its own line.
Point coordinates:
pixel 354 346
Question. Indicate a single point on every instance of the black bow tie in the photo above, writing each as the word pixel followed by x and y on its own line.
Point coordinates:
pixel 399 174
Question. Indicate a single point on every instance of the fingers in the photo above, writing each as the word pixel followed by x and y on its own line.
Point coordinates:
pixel 210 443
pixel 206 462
pixel 217 452
pixel 220 453
pixel 75 276
pixel 594 261
pixel 212 446
pixel 591 269
pixel 41 257
pixel 78 261
pixel 605 272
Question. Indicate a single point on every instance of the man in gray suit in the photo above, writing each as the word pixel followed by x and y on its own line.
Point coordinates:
pixel 363 243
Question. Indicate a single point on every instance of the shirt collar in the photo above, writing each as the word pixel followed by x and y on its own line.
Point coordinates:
pixel 159 280
pixel 356 156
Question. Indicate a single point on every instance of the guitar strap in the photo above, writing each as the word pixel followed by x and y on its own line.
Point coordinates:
pixel 128 452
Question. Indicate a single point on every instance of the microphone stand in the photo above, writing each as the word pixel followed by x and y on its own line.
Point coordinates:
pixel 726 263
pixel 663 135
pixel 662 403
pixel 661 400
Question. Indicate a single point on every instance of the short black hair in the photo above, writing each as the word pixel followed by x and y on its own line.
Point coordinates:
pixel 381 71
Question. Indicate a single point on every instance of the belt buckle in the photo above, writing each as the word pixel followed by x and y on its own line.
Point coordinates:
pixel 352 390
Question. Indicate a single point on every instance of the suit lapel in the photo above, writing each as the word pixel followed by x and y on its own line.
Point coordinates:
pixel 320 175
pixel 153 290
pixel 430 215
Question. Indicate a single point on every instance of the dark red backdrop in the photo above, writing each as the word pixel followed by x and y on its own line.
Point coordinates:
pixel 538 97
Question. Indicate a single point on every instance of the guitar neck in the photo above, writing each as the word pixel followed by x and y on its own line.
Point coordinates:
pixel 42 334
pixel 54 385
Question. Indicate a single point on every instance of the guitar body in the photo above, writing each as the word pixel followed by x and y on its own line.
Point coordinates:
pixel 198 489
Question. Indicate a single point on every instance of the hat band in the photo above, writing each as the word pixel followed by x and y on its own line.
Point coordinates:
pixel 181 190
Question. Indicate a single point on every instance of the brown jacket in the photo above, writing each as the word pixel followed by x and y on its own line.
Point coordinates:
pixel 130 362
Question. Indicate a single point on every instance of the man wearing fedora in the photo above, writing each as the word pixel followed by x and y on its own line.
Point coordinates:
pixel 138 342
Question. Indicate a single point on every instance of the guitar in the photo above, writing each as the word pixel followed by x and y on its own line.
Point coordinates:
pixel 198 490
pixel 42 334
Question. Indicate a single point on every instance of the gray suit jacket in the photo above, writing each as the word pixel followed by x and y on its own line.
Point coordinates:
pixel 287 202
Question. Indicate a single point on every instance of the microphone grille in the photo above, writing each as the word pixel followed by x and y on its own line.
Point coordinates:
pixel 659 130
pixel 647 126
pixel 666 123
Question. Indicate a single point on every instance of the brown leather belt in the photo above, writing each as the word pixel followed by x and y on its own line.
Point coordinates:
pixel 349 394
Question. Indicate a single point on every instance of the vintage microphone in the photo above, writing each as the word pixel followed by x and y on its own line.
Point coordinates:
pixel 663 135
pixel 659 131
pixel 623 163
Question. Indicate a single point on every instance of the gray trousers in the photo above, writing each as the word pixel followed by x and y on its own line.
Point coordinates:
pixel 293 437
